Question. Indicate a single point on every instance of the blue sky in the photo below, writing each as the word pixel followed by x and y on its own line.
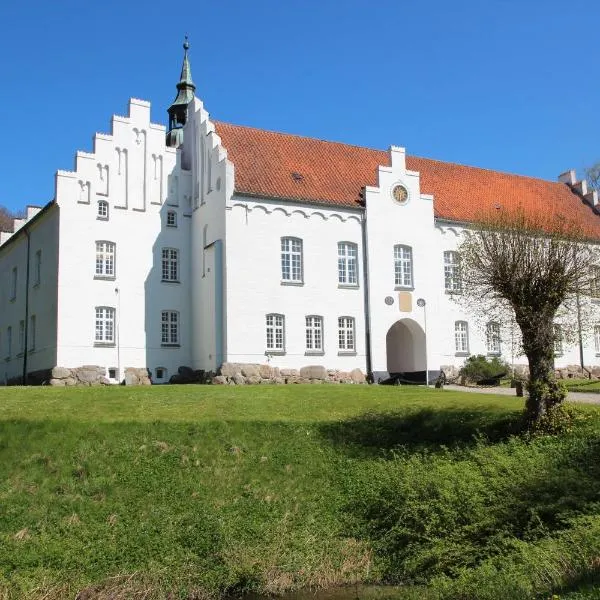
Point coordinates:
pixel 510 85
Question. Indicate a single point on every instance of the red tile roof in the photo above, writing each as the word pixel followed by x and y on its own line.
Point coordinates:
pixel 292 167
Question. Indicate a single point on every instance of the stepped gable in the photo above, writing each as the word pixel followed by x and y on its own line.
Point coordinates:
pixel 280 165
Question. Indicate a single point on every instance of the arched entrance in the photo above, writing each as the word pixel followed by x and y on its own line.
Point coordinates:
pixel 405 345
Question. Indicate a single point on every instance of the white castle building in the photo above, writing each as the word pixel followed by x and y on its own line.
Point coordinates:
pixel 210 242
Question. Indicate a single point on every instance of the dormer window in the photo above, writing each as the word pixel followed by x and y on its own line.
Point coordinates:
pixel 171 218
pixel 103 210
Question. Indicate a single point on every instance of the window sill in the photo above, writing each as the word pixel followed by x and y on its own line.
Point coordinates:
pixel 462 354
pixel 403 288
pixel 314 353
pixel 175 281
pixel 558 354
pixel 172 226
pixel 104 344
pixel 170 345
pixel 494 354
pixel 453 292
pixel 347 353
pixel 274 352
pixel 101 218
pixel 293 283
pixel 105 277
pixel 347 286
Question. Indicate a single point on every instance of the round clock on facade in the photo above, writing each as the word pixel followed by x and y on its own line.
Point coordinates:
pixel 400 194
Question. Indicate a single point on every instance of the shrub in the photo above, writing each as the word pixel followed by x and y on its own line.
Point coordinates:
pixel 478 367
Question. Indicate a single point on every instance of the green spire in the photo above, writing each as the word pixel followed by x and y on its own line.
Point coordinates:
pixel 185 94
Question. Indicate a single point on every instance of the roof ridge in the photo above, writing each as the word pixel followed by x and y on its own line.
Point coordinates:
pixel 297 135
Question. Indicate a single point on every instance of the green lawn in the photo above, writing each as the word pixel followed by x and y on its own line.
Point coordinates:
pixel 201 491
pixel 582 385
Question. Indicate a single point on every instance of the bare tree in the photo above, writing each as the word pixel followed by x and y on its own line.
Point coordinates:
pixel 6 219
pixel 533 267
pixel 593 176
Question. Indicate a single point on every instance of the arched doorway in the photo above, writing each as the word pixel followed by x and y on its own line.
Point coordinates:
pixel 405 345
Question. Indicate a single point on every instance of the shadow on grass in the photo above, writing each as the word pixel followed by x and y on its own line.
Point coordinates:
pixel 373 434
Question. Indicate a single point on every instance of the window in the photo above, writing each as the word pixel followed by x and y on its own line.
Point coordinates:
pixel 105 260
pixel 403 271
pixel 275 333
pixel 171 218
pixel 170 264
pixel 347 263
pixel 112 372
pixel 558 339
pixel 314 334
pixel 21 337
pixel 346 334
pixel 160 374
pixel 32 333
pixel 105 325
pixel 170 328
pixel 597 338
pixel 291 260
pixel 493 338
pixel 461 337
pixel 452 282
pixel 37 269
pixel 103 210
pixel 8 342
pixel 13 284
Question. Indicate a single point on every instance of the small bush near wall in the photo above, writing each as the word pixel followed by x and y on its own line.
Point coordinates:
pixel 479 367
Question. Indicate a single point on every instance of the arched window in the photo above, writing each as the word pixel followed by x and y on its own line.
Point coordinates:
pixel 103 210
pixel 452 282
pixel 492 334
pixel 403 266
pixel 347 263
pixel 105 259
pixel 169 328
pixel 461 337
pixel 170 264
pixel 275 329
pixel 291 260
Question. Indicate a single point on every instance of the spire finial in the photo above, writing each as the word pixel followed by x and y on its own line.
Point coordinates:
pixel 186 44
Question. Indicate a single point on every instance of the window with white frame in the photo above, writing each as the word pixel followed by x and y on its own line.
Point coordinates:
pixel 275 333
pixel 452 282
pixel 171 218
pixel 347 263
pixel 8 342
pixel 403 267
pixel 21 337
pixel 13 284
pixel 103 210
pixel 461 337
pixel 170 264
pixel 314 333
pixel 597 338
pixel 105 259
pixel 37 269
pixel 170 328
pixel 161 374
pixel 558 338
pixel 492 336
pixel 346 341
pixel 291 260
pixel 105 325
pixel 32 332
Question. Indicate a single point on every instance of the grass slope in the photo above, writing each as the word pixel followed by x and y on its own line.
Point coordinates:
pixel 199 491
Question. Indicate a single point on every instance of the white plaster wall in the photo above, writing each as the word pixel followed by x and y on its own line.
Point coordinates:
pixel 139 176
pixel 211 187
pixel 42 298
pixel 254 231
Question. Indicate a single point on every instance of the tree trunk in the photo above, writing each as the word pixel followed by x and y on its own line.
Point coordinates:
pixel 538 343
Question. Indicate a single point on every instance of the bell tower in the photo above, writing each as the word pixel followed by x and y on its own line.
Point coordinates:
pixel 185 94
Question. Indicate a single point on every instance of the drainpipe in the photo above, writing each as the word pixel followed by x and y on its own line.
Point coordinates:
pixel 363 224
pixel 26 331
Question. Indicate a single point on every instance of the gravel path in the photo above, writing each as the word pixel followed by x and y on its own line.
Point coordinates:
pixel 586 397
